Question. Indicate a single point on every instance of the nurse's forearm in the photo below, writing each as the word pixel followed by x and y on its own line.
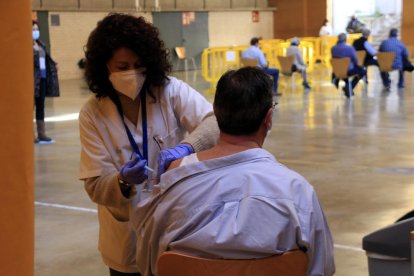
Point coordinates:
pixel 205 135
pixel 105 190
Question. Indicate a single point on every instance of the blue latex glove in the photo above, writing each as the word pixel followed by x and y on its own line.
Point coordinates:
pixel 165 157
pixel 134 171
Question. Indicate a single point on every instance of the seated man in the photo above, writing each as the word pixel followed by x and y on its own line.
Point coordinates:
pixel 254 52
pixel 354 25
pixel 235 200
pixel 341 50
pixel 362 44
pixel 392 44
pixel 298 63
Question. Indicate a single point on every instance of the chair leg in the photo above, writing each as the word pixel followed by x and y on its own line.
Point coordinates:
pixel 194 64
pixel 350 88
pixel 186 64
pixel 177 65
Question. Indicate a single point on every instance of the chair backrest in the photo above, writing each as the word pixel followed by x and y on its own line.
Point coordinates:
pixel 361 57
pixel 385 61
pixel 180 51
pixel 340 67
pixel 249 62
pixel 286 64
pixel 292 263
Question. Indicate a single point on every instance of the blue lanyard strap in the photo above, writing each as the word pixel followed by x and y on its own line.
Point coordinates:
pixel 144 126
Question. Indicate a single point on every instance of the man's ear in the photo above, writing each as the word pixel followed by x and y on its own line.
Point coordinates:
pixel 268 120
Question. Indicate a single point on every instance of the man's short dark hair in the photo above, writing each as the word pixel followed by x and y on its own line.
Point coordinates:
pixel 393 32
pixel 242 100
pixel 254 41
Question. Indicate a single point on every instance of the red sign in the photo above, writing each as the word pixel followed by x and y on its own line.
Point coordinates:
pixel 255 16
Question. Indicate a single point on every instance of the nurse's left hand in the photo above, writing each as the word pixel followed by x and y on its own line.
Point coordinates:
pixel 166 156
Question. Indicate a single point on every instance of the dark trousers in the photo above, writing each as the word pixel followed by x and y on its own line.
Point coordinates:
pixel 358 74
pixel 385 76
pixel 275 74
pixel 113 272
pixel 40 101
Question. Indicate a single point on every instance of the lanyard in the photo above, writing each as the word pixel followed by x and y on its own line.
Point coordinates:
pixel 134 145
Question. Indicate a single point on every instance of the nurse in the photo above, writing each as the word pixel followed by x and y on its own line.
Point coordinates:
pixel 138 121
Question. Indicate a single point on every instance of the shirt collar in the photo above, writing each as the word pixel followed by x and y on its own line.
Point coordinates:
pixel 170 178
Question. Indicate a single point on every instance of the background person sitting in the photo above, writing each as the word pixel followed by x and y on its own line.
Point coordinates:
pixel 298 63
pixel 254 52
pixel 235 200
pixel 354 25
pixel 362 44
pixel 342 50
pixel 392 44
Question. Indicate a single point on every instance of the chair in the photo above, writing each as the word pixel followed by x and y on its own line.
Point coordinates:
pixel 249 62
pixel 286 64
pixel 385 61
pixel 340 69
pixel 292 263
pixel 181 54
pixel 361 57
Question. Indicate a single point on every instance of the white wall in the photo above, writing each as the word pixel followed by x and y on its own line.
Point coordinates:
pixel 237 28
pixel 389 6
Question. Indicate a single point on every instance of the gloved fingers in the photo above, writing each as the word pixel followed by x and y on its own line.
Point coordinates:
pixel 131 163
pixel 141 163
pixel 163 157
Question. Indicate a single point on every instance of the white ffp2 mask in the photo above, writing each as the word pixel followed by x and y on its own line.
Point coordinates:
pixel 128 82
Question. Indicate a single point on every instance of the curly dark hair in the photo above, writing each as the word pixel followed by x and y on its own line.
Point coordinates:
pixel 119 30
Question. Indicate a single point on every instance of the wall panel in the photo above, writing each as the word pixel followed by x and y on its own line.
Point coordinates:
pixel 190 5
pixel 218 4
pixel 61 4
pixel 407 26
pixel 298 18
pixel 96 4
pixel 17 151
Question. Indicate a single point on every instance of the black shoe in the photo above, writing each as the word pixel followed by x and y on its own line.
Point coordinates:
pixel 335 82
pixel 306 85
pixel 346 93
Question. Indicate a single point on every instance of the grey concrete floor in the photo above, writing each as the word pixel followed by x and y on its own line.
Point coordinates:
pixel 358 154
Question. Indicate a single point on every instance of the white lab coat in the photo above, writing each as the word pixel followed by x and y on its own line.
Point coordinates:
pixel 105 148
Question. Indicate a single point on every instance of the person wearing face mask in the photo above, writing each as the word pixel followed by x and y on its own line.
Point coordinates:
pixel 138 121
pixel 45 82
pixel 243 203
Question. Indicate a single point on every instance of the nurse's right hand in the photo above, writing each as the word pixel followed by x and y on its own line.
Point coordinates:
pixel 134 171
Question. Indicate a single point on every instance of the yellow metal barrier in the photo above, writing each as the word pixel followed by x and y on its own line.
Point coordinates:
pixel 217 60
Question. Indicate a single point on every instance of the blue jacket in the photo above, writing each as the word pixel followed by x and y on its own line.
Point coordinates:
pixel 342 50
pixel 392 44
